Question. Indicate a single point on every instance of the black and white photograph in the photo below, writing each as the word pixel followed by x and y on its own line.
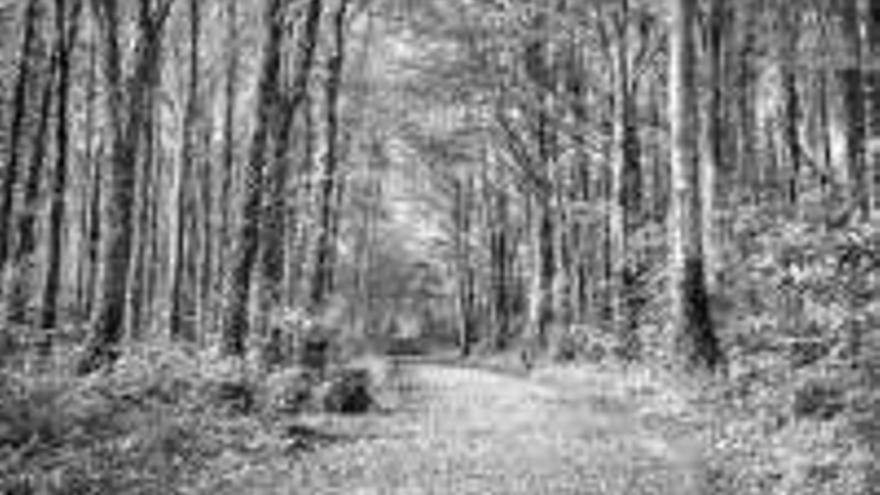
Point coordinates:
pixel 439 247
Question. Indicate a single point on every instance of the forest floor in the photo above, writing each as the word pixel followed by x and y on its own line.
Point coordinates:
pixel 459 430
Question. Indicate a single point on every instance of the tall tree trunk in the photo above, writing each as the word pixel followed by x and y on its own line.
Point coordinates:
pixel 93 208
pixel 275 231
pixel 714 166
pixel 16 132
pixel 326 242
pixel 127 102
pixel 747 165
pixel 182 324
pixel 696 341
pixel 237 322
pixel 462 207
pixel 23 283
pixel 792 101
pixel 225 250
pixel 854 100
pixel 84 282
pixel 625 193
pixel 873 93
pixel 541 301
pixel 67 31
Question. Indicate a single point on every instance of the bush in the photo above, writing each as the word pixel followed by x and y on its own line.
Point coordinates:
pixel 789 418
pixel 347 391
pixel 152 424
pixel 289 391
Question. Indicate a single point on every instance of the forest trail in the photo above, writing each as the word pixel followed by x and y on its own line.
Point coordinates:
pixel 462 431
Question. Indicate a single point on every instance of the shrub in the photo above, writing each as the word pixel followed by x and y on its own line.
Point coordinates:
pixel 347 391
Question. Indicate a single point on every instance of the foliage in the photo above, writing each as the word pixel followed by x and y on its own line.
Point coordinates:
pixel 164 419
pixel 800 340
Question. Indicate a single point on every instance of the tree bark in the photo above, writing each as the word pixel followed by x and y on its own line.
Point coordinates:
pixel 225 250
pixel 93 210
pixel 696 343
pixel 873 93
pixel 714 153
pixel 792 102
pixel 182 324
pixel 237 321
pixel 16 133
pixel 326 242
pixel 275 230
pixel 67 29
pixel 854 108
pixel 625 194
pixel 23 281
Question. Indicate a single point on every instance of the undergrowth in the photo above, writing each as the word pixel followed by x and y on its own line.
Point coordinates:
pixel 166 419
pixel 796 411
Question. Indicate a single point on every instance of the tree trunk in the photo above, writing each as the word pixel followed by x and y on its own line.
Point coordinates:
pixel 792 102
pixel 225 250
pixel 714 153
pixel 67 30
pixel 16 132
pixel 873 93
pixel 625 195
pixel 182 324
pixel 23 280
pixel 128 111
pixel 696 342
pixel 93 210
pixel 462 197
pixel 854 108
pixel 326 242
pixel 748 137
pixel 237 322
pixel 87 189
pixel 277 206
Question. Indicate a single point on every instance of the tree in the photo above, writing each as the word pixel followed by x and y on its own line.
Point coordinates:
pixel 25 263
pixel 859 175
pixel 19 112
pixel 271 101
pixel 67 29
pixel 692 324
pixel 128 109
pixel 183 255
pixel 873 88
pixel 236 324
pixel 322 283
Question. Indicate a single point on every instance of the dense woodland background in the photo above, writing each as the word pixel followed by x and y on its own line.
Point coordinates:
pixel 684 184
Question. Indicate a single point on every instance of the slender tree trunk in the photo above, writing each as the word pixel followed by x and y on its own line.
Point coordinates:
pixel 182 325
pixel 714 166
pixel 873 93
pixel 16 133
pixel 25 272
pixel 463 271
pixel 792 102
pixel 84 282
pixel 67 31
pixel 747 166
pixel 326 242
pixel 854 99
pixel 93 209
pixel 237 322
pixel 696 342
pixel 275 254
pixel 625 194
pixel 226 194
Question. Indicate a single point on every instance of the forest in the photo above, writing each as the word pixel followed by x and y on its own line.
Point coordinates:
pixel 440 246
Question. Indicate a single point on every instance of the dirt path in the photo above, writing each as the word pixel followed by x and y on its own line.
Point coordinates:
pixel 463 431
